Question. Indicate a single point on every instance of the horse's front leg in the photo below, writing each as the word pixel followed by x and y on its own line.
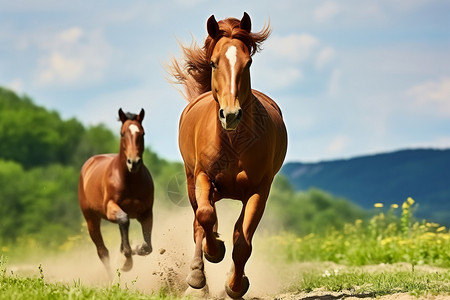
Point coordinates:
pixel 115 214
pixel 204 225
pixel 252 212
pixel 206 216
pixel 146 221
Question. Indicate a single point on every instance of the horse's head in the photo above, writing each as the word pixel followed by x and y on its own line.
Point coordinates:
pixel 132 139
pixel 230 63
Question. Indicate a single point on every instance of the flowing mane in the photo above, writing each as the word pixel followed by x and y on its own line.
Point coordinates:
pixel 193 71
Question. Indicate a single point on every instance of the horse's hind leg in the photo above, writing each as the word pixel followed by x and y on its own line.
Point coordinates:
pixel 146 221
pixel 116 214
pixel 93 225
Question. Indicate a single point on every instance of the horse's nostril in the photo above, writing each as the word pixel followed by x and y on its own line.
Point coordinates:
pixel 221 115
pixel 239 114
pixel 129 161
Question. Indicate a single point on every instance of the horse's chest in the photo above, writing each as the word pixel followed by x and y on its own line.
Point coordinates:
pixel 134 205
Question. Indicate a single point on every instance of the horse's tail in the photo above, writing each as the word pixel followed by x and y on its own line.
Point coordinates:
pixel 193 72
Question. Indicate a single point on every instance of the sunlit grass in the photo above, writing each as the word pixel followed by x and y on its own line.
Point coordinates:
pixel 37 287
pixel 377 283
pixel 390 237
pixel 386 238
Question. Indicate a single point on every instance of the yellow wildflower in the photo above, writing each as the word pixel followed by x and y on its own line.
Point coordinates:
pixel 378 205
pixel 394 206
pixel 385 241
pixel 410 201
pixel 405 205
pixel 440 229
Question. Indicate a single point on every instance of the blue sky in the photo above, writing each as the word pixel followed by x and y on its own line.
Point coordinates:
pixel 353 77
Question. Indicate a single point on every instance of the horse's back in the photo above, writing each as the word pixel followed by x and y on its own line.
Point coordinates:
pixel 90 186
pixel 95 165
pixel 280 135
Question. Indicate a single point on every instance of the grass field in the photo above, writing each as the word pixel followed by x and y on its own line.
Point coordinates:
pixel 389 254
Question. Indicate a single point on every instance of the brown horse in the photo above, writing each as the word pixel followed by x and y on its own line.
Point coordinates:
pixel 232 139
pixel 117 187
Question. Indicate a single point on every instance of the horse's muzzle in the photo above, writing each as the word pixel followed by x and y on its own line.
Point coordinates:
pixel 230 119
pixel 133 164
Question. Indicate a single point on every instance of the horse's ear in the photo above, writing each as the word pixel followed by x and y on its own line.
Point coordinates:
pixel 246 23
pixel 212 26
pixel 122 116
pixel 141 115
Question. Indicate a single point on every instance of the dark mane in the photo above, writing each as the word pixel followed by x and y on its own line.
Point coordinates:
pixel 194 70
pixel 130 116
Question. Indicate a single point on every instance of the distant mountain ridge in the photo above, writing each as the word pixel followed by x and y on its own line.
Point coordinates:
pixel 423 174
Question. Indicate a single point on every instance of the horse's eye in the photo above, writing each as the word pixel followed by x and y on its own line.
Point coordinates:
pixel 213 65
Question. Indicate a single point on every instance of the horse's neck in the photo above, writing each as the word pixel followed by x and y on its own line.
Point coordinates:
pixel 248 109
pixel 121 164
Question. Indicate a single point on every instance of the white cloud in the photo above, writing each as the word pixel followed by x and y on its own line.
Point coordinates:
pixel 281 64
pixel 59 68
pixel 337 145
pixel 292 48
pixel 433 95
pixel 16 85
pixel 71 35
pixel 275 77
pixel 72 56
pixel 334 83
pixel 325 56
pixel 326 11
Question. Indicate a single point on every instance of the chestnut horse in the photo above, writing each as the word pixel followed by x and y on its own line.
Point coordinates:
pixel 117 187
pixel 232 139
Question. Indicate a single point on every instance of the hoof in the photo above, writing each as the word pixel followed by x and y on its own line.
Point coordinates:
pixel 196 279
pixel 143 250
pixel 235 295
pixel 128 264
pixel 220 253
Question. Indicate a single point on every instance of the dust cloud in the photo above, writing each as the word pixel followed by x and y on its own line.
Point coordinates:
pixel 168 265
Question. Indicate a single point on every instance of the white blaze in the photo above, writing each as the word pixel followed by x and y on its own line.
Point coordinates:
pixel 231 55
pixel 133 128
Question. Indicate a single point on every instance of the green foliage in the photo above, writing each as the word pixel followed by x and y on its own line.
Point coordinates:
pixel 32 136
pixel 40 202
pixel 383 239
pixel 306 212
pixel 95 140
